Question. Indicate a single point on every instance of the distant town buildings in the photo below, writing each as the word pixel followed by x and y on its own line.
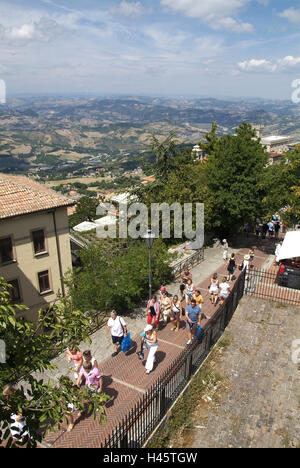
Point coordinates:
pixel 276 145
pixel 34 242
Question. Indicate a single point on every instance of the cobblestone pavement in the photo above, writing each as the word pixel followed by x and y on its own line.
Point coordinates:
pixel 260 407
pixel 125 380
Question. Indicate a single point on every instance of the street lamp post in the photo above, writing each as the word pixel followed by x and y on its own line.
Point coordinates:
pixel 149 238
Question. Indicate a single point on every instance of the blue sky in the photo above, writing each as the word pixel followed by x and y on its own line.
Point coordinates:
pixel 216 48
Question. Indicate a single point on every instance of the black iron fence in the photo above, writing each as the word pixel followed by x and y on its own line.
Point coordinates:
pixel 189 262
pixel 137 426
pixel 266 284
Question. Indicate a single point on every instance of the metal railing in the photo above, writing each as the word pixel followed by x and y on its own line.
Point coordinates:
pixel 137 426
pixel 78 239
pixel 269 285
pixel 187 263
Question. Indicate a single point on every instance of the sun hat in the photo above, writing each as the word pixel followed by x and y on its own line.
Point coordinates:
pixel 163 288
pixel 247 257
pixel 148 328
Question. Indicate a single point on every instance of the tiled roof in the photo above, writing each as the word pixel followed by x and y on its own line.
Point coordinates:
pixel 20 195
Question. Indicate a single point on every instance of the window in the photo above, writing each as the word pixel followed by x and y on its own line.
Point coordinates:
pixel 6 250
pixel 14 292
pixel 38 238
pixel 44 282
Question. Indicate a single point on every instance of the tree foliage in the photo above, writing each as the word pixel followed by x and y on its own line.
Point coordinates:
pixel 30 348
pixel 282 188
pixel 85 211
pixel 234 171
pixel 114 275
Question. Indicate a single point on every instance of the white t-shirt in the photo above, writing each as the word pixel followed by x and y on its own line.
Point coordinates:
pixel 224 289
pixel 116 327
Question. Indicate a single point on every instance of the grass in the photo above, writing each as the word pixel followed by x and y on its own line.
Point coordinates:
pixel 204 383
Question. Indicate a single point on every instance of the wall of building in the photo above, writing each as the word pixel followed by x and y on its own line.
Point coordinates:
pixel 27 264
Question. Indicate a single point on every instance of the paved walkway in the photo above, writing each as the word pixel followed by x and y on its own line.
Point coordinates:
pixel 125 380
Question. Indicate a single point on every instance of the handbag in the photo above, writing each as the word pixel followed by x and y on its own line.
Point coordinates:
pixel 126 343
pixel 199 333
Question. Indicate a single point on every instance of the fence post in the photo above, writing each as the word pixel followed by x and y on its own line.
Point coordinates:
pixel 208 340
pixel 162 401
pixel 124 439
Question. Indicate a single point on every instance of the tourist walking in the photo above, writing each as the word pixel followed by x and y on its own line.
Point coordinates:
pixel 74 358
pixel 231 266
pixel 251 255
pixel 151 343
pixel 186 275
pixel 214 289
pixel 176 313
pixel 225 249
pixel 153 311
pixel 257 229
pixel 165 306
pixel 87 357
pixel 277 229
pixel 264 230
pixel 92 378
pixel 117 327
pixel 198 298
pixel 224 290
pixel 193 315
pixel 246 262
pixel 189 291
pixel 270 228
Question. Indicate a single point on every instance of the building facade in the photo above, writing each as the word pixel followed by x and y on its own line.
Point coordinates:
pixel 34 242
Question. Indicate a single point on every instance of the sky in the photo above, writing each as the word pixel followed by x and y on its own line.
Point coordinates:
pixel 217 48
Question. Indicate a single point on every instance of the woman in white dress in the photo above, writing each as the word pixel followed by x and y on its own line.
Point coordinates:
pixel 151 346
pixel 214 289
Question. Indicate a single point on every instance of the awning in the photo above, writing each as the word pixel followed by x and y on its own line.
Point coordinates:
pixel 290 246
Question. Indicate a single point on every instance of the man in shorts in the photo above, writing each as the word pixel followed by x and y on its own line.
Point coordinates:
pixel 117 327
pixel 193 315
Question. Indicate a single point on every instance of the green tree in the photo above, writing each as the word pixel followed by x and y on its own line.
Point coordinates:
pixel 30 348
pixel 281 183
pixel 114 275
pixel 211 140
pixel 85 211
pixel 166 153
pixel 233 176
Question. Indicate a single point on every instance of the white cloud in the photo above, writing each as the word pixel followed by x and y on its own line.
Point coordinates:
pixel 232 25
pixel 208 9
pixel 216 13
pixel 258 65
pixel 291 14
pixel 128 9
pixel 288 62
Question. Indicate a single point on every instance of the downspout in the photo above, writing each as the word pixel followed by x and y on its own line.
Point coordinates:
pixel 58 255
